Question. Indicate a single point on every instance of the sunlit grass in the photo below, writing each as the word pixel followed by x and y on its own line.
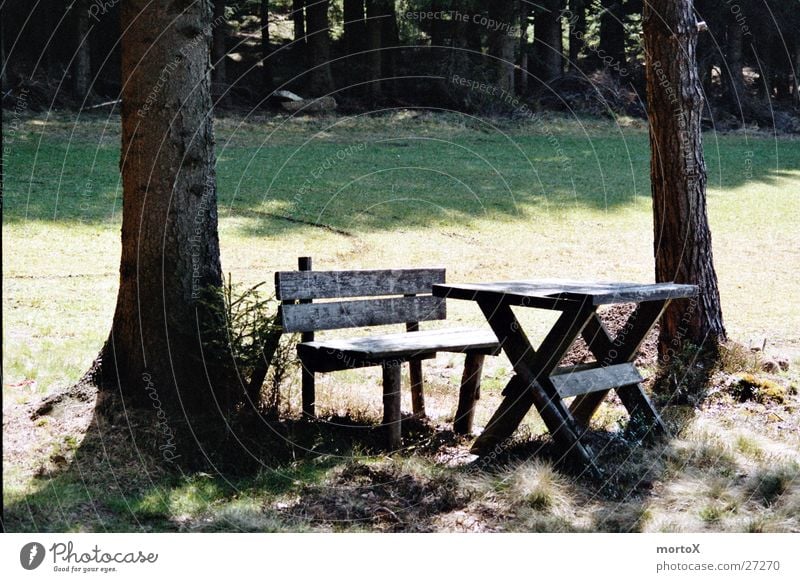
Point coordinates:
pixel 488 199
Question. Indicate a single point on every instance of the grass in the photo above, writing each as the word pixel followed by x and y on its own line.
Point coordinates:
pixel 488 199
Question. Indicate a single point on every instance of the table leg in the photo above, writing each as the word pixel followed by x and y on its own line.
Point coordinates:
pixel 531 385
pixel 469 393
pixel 623 348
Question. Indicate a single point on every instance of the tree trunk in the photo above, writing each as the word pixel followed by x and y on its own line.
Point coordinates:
pixel 319 49
pixel 170 246
pixel 438 25
pixel 577 31
pixel 611 50
pixel 732 68
pixel 501 45
pixel 390 37
pixel 374 60
pixel 524 19
pixel 678 174
pixel 299 20
pixel 81 71
pixel 354 26
pixel 266 64
pixel 548 42
pixel 219 87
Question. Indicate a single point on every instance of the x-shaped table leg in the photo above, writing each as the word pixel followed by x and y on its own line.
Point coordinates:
pixel 532 386
pixel 620 350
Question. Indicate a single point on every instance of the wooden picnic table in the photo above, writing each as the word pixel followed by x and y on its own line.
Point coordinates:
pixel 539 380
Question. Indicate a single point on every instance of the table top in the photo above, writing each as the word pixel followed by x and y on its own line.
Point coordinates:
pixel 557 293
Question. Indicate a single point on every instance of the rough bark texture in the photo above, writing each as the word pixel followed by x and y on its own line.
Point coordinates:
pixel 612 35
pixel 170 247
pixel 319 48
pixel 678 174
pixel 218 52
pixel 521 81
pixel 732 68
pixel 354 26
pixel 390 37
pixel 374 34
pixel 547 40
pixel 501 44
pixel 577 31
pixel 266 64
pixel 81 72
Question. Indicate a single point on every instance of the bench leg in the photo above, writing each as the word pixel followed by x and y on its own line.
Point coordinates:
pixel 469 393
pixel 391 405
pixel 309 397
pixel 417 393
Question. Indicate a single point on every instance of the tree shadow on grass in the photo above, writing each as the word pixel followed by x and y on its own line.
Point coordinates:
pixel 380 176
pixel 333 475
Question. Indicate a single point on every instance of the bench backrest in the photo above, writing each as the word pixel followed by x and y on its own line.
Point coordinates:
pixel 411 288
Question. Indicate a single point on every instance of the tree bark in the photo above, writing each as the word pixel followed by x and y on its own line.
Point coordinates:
pixel 732 68
pixel 354 26
pixel 170 246
pixel 524 19
pixel 219 88
pixel 547 40
pixel 501 44
pixel 577 31
pixel 81 71
pixel 611 50
pixel 266 64
pixel 374 60
pixel 320 77
pixel 678 175
pixel 299 21
pixel 390 37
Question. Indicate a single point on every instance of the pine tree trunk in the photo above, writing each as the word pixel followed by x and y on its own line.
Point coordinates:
pixel 611 50
pixel 548 42
pixel 501 45
pixel 732 68
pixel 374 60
pixel 319 50
pixel 390 37
pixel 81 72
pixel 170 247
pixel 354 26
pixel 577 31
pixel 521 82
pixel 299 21
pixel 678 174
pixel 266 64
pixel 219 88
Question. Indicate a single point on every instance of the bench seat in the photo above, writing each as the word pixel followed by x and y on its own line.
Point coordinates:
pixel 339 354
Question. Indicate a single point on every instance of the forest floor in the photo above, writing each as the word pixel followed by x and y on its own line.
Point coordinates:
pixel 488 199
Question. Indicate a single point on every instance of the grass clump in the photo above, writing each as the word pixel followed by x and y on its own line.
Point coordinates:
pixel 770 484
pixel 762 390
pixel 538 486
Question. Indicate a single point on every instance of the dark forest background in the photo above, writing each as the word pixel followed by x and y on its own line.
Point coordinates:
pixel 570 55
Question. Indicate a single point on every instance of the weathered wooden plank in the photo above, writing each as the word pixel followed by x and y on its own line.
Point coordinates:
pixel 530 385
pixel 361 313
pixel 622 348
pixel 359 283
pixel 410 344
pixel 468 394
pixel 594 380
pixel 332 360
pixel 415 376
pixel 307 381
pixel 556 294
pixel 391 405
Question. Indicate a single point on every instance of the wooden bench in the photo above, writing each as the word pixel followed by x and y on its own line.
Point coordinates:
pixel 393 296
